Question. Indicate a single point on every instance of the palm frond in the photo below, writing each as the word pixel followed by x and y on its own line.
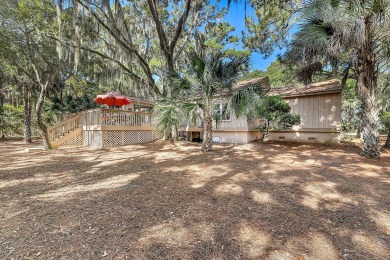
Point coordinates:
pixel 246 103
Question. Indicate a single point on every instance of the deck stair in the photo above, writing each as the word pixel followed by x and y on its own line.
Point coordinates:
pixel 67 133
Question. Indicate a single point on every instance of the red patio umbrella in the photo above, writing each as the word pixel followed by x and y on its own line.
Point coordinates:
pixel 112 99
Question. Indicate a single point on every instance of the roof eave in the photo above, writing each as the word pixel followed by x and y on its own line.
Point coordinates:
pixel 309 94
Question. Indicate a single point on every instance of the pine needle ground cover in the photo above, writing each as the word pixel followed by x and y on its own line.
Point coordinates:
pixel 170 201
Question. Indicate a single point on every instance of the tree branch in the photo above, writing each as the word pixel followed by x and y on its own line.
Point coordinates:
pixel 180 26
pixel 134 76
pixel 163 40
pixel 144 65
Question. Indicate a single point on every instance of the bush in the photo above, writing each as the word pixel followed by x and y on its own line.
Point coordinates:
pixel 11 120
pixel 275 115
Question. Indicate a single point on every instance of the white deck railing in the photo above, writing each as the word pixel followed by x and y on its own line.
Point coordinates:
pixel 58 131
pixel 99 117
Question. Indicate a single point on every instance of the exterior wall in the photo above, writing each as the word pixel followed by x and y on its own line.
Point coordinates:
pixel 236 124
pixel 230 137
pixel 299 136
pixel 320 119
pixel 235 137
pixel 93 138
pixel 318 111
pixel 232 124
pixel 254 124
pixel 253 135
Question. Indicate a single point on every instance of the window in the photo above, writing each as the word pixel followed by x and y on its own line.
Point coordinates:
pixel 221 112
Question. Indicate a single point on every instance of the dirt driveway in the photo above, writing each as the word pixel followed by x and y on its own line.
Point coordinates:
pixel 169 201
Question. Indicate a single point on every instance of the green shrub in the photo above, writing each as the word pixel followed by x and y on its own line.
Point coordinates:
pixel 275 115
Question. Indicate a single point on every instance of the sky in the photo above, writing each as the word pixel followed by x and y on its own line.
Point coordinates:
pixel 236 17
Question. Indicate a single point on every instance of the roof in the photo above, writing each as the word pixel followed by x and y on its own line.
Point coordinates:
pixel 323 87
pixel 139 102
pixel 260 82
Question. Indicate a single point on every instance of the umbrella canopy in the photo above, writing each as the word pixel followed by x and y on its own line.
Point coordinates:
pixel 112 99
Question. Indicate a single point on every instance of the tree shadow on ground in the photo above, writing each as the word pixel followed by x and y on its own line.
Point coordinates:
pixel 170 201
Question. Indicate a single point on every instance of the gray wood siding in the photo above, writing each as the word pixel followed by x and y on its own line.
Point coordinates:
pixel 232 124
pixel 319 111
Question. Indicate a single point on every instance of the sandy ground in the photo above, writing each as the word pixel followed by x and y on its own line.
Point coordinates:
pixel 169 201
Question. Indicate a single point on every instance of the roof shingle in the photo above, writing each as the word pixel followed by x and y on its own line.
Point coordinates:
pixel 323 87
pixel 260 82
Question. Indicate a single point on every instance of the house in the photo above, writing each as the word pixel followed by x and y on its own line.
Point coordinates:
pixel 318 104
pixel 229 128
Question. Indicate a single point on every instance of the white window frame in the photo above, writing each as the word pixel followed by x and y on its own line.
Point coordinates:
pixel 221 106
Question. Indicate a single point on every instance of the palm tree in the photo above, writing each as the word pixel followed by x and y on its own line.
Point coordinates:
pixel 359 29
pixel 209 75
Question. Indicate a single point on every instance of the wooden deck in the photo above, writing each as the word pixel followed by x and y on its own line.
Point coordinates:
pixel 104 128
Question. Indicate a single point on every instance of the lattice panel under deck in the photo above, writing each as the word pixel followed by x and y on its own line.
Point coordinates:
pixel 75 141
pixel 119 138
pixel 145 137
pixel 112 138
pixel 156 135
pixel 130 137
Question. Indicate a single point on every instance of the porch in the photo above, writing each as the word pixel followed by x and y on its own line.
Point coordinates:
pixel 103 128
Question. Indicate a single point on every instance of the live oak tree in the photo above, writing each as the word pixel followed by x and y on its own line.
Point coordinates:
pixel 145 40
pixel 30 52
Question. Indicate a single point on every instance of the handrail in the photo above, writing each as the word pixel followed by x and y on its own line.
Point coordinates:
pixel 123 111
pixel 102 117
pixel 117 111
pixel 64 122
pixel 62 129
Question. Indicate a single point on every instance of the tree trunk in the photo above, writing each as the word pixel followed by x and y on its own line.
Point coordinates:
pixel 370 126
pixel 358 131
pixel 175 133
pixel 208 128
pixel 2 115
pixel 264 131
pixel 387 144
pixel 27 113
pixel 367 72
pixel 42 126
pixel 262 137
